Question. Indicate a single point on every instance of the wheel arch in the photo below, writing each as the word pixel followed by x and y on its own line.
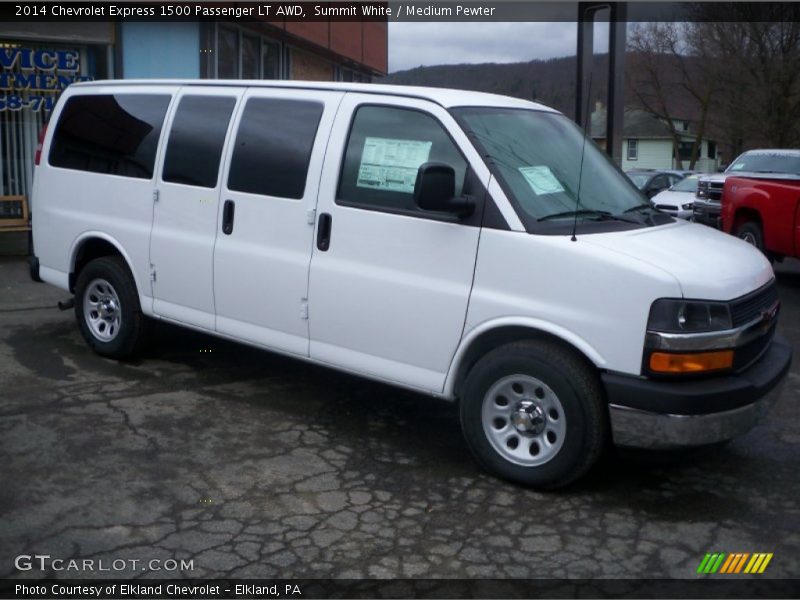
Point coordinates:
pixel 745 214
pixel 490 335
pixel 91 245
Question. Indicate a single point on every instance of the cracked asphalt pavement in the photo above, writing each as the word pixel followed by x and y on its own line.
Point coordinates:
pixel 254 465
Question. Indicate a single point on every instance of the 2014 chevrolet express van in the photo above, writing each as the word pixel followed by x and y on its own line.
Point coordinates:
pixel 421 237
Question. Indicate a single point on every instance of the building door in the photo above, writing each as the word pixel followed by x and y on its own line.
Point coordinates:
pixel 390 283
pixel 266 217
pixel 185 212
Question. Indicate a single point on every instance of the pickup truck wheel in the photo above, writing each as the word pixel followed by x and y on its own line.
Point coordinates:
pixel 533 413
pixel 107 308
pixel 751 233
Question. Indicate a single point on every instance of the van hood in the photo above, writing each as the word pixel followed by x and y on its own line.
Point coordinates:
pixel 708 264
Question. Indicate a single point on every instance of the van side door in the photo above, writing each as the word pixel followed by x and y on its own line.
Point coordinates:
pixel 390 283
pixel 185 207
pixel 266 216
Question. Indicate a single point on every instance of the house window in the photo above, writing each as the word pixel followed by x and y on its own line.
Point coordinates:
pixel 633 149
pixel 685 150
pixel 712 149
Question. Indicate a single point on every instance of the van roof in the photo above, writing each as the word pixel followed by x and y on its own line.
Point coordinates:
pixel 445 97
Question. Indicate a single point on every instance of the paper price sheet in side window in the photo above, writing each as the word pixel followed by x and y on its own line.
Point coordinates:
pixel 391 165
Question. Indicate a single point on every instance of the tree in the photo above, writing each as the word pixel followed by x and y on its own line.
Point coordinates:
pixel 667 61
pixel 757 57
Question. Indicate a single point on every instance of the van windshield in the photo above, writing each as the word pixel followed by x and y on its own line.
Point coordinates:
pixel 537 157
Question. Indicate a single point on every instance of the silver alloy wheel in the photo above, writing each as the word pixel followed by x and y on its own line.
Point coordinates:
pixel 748 237
pixel 524 420
pixel 102 310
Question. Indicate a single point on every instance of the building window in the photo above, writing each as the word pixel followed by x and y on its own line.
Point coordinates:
pixel 271 59
pixel 712 149
pixel 251 57
pixel 346 74
pixel 633 149
pixel 242 54
pixel 227 53
pixel 26 109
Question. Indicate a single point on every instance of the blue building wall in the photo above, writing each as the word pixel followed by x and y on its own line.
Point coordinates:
pixel 160 50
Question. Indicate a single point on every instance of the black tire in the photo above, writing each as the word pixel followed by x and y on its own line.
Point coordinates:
pixel 751 232
pixel 577 388
pixel 131 332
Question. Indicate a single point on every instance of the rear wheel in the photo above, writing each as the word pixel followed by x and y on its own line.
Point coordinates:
pixel 532 412
pixel 107 308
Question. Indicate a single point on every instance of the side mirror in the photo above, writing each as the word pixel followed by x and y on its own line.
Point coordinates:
pixel 435 189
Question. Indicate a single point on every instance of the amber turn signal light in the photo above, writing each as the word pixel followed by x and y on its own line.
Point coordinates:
pixel 662 362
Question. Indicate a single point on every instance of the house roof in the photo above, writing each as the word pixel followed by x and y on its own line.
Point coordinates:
pixel 637 123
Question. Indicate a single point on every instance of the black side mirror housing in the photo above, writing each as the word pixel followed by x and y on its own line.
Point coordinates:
pixel 435 189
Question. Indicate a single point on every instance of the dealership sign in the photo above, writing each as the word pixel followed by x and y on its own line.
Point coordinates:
pixel 33 79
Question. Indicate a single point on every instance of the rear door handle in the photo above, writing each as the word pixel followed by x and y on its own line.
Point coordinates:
pixel 324 232
pixel 228 210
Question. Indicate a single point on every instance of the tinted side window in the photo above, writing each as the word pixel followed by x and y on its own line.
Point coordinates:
pixel 110 133
pixel 273 147
pixel 196 139
pixel 384 151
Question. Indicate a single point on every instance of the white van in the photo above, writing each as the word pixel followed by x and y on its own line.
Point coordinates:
pixel 468 246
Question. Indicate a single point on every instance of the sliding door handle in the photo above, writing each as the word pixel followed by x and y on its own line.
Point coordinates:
pixel 228 210
pixel 324 232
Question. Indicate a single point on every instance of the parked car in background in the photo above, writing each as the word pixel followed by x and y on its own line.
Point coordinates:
pixel 762 210
pixel 681 172
pixel 678 200
pixel 708 203
pixel 651 182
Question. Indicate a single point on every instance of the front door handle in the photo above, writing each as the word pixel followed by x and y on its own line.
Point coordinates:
pixel 228 210
pixel 324 232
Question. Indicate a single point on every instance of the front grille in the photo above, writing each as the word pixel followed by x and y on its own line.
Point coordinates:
pixel 710 190
pixel 747 308
pixel 666 207
pixel 746 355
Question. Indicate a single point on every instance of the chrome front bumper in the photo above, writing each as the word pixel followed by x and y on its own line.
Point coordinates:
pixel 642 429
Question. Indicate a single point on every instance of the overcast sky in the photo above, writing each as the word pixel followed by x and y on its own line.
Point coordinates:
pixel 415 44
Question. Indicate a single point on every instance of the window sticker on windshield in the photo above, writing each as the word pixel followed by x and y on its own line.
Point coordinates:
pixel 737 167
pixel 391 165
pixel 541 180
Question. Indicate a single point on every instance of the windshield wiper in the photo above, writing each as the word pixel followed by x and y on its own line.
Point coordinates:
pixel 637 208
pixel 600 215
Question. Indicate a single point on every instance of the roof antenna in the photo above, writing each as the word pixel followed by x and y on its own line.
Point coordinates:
pixel 587 126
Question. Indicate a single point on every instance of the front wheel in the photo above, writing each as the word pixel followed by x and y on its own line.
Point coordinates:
pixel 751 233
pixel 532 412
pixel 107 308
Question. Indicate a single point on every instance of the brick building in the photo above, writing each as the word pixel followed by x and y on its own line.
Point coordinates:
pixel 39 59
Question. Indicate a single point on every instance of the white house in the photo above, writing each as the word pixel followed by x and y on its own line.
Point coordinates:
pixel 647 143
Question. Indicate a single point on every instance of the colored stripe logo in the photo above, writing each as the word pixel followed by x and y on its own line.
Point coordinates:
pixel 734 563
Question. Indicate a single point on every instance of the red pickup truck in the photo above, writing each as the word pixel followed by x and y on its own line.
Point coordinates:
pixel 764 210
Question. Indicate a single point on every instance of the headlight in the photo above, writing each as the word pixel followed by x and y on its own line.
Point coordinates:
pixel 687 206
pixel 689 316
